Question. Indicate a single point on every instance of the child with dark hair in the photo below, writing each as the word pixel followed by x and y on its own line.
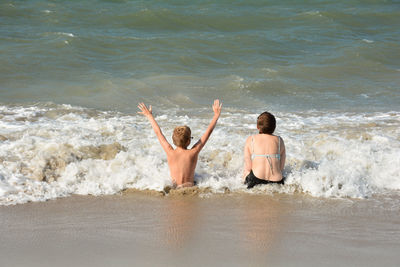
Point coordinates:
pixel 264 154
pixel 182 161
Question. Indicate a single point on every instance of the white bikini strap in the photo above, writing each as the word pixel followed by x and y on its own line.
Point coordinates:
pixel 252 145
pixel 279 150
pixel 279 145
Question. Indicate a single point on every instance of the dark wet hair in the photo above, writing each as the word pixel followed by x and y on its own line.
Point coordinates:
pixel 266 123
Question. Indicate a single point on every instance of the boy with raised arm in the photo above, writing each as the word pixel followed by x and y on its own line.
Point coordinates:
pixel 182 161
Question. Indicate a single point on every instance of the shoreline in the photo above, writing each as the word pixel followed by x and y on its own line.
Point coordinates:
pixel 235 229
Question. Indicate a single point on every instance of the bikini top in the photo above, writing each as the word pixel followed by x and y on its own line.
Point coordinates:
pixel 267 156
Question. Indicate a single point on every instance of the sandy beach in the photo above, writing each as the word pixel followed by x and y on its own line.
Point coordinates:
pixel 144 229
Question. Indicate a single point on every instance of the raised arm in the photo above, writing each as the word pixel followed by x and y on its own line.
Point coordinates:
pixel 203 140
pixel 147 112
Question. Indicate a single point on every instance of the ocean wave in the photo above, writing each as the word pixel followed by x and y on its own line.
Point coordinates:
pixel 49 151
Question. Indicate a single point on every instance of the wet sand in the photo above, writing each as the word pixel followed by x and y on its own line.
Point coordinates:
pixel 144 229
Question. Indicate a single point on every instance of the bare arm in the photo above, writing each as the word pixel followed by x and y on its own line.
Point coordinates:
pixel 147 112
pixel 203 140
pixel 247 158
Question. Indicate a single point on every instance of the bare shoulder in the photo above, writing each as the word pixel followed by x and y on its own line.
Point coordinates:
pixel 194 150
pixel 248 140
pixel 170 151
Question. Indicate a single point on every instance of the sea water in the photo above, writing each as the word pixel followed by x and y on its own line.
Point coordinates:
pixel 72 73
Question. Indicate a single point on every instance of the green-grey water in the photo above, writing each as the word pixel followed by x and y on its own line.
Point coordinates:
pixel 292 55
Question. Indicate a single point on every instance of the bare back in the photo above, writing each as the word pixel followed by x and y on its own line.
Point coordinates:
pixel 265 156
pixel 182 164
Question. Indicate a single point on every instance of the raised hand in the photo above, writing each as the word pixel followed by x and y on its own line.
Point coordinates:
pixel 145 111
pixel 217 107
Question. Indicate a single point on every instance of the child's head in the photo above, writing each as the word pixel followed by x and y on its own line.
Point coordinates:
pixel 266 123
pixel 182 136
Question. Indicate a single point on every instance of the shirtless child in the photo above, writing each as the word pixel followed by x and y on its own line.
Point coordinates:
pixel 182 161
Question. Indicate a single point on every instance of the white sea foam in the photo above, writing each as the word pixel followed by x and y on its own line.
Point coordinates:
pixel 66 34
pixel 268 70
pixel 367 41
pixel 54 151
pixel 313 13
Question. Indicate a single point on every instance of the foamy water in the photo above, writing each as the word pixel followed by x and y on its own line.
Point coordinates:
pixel 49 151
pixel 329 71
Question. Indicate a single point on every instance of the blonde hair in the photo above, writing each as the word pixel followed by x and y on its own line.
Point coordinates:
pixel 181 136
